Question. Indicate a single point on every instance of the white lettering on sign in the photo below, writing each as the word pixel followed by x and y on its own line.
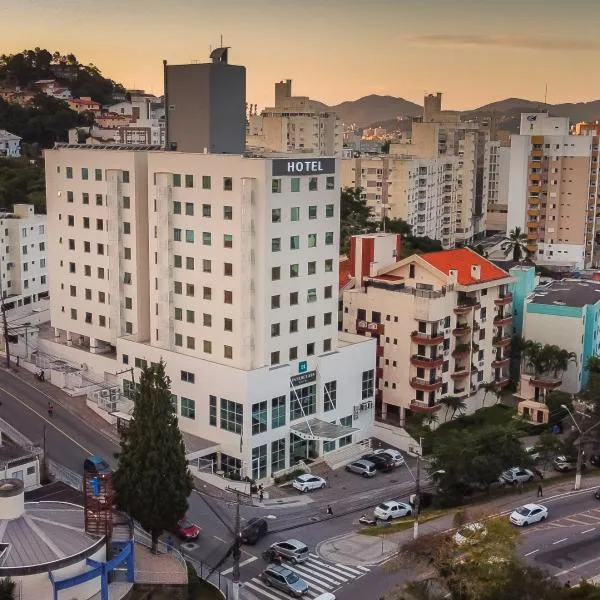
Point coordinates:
pixel 304 166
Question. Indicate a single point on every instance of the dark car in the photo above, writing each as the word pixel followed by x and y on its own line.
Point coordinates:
pixel 95 464
pixel 597 494
pixel 255 529
pixel 382 462
pixel 595 460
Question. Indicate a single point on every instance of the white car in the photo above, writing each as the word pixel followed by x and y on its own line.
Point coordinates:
pixel 307 482
pixel 469 534
pixel 392 510
pixel 395 455
pixel 533 452
pixel 516 475
pixel 529 513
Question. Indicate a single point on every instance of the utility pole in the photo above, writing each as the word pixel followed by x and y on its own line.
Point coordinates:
pixel 582 435
pixel 4 325
pixel 417 507
pixel 237 549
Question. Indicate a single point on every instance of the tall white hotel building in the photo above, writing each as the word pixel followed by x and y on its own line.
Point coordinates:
pixel 225 266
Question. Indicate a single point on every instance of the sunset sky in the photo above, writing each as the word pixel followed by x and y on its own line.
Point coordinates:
pixel 475 51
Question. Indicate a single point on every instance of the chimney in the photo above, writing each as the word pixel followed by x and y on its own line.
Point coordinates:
pixel 452 276
pixel 476 272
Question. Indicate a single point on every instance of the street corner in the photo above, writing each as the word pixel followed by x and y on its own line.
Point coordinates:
pixel 356 549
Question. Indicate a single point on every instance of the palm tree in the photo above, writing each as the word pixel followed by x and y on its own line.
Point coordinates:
pixel 431 419
pixel 487 387
pixel 560 359
pixel 516 242
pixel 455 403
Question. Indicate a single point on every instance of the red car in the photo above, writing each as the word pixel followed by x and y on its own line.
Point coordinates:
pixel 186 530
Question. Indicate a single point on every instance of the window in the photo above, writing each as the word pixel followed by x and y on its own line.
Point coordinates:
pixel 293 298
pixel 178 339
pixel 227 184
pixel 206 265
pixel 303 402
pixel 329 209
pixel 177 261
pixel 310 349
pixel 259 417
pixel 70 222
pixel 125 176
pixel 329 265
pixel 191 343
pixel 189 263
pixel 102 321
pixel 330 182
pixel 125 359
pixel 176 180
pixel 329 238
pixel 294 242
pixel 206 238
pixel 228 213
pixel 100 272
pixel 98 199
pixel 327 319
pixel 312 212
pixel 275 273
pixel 277 455
pixel 313 184
pixel 275 329
pixel 274 358
pixel 178 314
pixel 293 325
pixel 189 290
pixel 227 352
pixel 346 422
pixel 189 236
pixel 295 183
pixel 73 291
pixel 295 213
pixel 100 249
pixel 227 241
pixel 232 416
pixel 100 225
pixel 188 408
pixel 227 296
pixel 276 186
pixel 98 174
pixel 206 320
pixel 128 303
pixel 177 235
pixel 69 196
pixel 368 379
pixel 312 267
pixel 259 462
pixel 190 316
pixel 293 353
pixel 85 197
pixel 327 345
pixel 74 314
pixel 71 267
pixel 71 244
pixel 188 377
pixel 275 244
pixel 294 270
pixel 328 291
pixel 69 172
pixel 212 411
pixel 312 240
pixel 207 293
pixel 86 222
pixel 228 269
pixel 330 395
pixel 126 227
pixel 275 301
pixel 310 322
pixel 127 253
pixel 87 270
pixel 189 181
pixel 278 412
pixel 311 295
pixel 227 324
pixel 206 182
pixel 189 209
pixel 206 210
pixel 276 215
pixel 177 287
pixel 207 346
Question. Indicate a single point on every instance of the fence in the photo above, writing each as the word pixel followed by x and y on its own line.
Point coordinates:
pixel 65 475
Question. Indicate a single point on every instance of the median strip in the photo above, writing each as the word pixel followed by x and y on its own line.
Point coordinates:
pixel 402 524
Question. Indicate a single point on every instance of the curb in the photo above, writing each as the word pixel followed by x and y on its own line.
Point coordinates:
pixel 384 558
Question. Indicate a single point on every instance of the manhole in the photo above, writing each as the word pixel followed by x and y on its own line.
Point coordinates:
pixel 189 546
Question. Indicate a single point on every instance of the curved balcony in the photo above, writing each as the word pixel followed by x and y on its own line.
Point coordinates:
pixel 502 320
pixel 503 300
pixel 423 407
pixel 461 331
pixel 427 339
pixel 461 350
pixel 502 362
pixel 426 385
pixel 426 361
pixel 501 341
pixel 460 373
pixel 463 309
pixel 502 382
pixel 547 383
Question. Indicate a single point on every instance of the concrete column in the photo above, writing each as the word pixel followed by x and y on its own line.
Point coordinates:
pixel 384 410
pixel 93 345
pixel 402 416
pixel 56 334
pixel 69 338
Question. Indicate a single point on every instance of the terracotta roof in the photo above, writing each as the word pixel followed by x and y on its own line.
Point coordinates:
pixel 344 271
pixel 85 101
pixel 387 277
pixel 461 259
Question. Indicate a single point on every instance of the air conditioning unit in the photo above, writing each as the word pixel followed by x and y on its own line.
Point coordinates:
pixel 481 363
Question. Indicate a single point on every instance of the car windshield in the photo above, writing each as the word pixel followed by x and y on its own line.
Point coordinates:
pixel 185 524
pixel 292 578
pixel 523 511
pixel 383 506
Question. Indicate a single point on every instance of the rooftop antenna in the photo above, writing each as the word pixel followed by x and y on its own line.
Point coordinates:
pixel 546 94
pixel 221 40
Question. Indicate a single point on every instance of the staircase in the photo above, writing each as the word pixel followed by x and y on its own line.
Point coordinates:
pixel 347 454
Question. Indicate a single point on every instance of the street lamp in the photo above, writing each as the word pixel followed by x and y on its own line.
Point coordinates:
pixel 580 449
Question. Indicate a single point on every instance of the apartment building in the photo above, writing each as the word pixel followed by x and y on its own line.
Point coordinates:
pixel 421 191
pixel 553 190
pixel 23 257
pixel 496 170
pixel 226 268
pixel 297 124
pixel 10 144
pixel 442 322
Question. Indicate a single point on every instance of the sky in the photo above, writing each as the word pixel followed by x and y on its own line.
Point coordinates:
pixel 474 51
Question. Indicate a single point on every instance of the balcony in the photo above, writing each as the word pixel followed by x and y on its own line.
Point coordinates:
pixel 532 235
pixel 533 212
pixel 427 339
pixel 502 382
pixel 534 201
pixel 460 373
pixel 427 362
pixel 501 341
pixel 426 385
pixel 532 247
pixel 534 188
pixel 461 350
pixel 461 331
pixel 500 362
pixel 424 407
pixel 537 154
pixel 503 299
pixel 502 320
pixel 546 383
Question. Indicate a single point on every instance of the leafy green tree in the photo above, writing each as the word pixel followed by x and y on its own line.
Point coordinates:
pixel 385 147
pixel 549 445
pixel 516 244
pixel 454 404
pixel 7 589
pixel 22 182
pixel 554 402
pixel 355 217
pixel 152 482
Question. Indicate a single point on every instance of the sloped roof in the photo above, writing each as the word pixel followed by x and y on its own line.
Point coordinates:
pixel 461 260
pixel 344 271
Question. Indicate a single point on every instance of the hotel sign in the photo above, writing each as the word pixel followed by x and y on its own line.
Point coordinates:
pixel 303 378
pixel 305 166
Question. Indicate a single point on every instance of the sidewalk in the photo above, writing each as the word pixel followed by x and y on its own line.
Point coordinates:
pixel 357 549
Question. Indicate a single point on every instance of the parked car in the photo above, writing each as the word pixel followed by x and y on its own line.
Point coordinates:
pixel 564 463
pixel 255 529
pixel 595 460
pixel 293 550
pixel 306 482
pixel 528 514
pixel 285 580
pixel 362 467
pixel 516 475
pixel 533 452
pixel 597 494
pixel 470 534
pixel 381 461
pixel 391 510
pixel 186 530
pixel 395 455
pixel 95 464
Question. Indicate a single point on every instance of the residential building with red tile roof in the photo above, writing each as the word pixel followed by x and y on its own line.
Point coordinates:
pixel 443 323
pixel 84 104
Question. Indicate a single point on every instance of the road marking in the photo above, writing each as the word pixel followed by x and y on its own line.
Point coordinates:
pixel 559 541
pixel 329 578
pixel 326 569
pixel 588 530
pixel 218 538
pixel 242 564
pixel 577 567
pixel 306 575
pixel 48 421
pixel 576 521
pixel 532 552
pixel 347 571
pixel 261 590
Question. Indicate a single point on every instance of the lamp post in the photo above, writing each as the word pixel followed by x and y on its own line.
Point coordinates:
pixel 417 506
pixel 579 451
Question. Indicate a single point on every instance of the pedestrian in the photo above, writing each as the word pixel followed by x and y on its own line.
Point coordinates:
pixel 568 584
pixel 169 544
pixel 50 409
pixel 261 495
pixel 329 510
pixel 520 487
pixel 540 492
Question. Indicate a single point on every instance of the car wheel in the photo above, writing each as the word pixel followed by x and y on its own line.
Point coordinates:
pixel 267 582
pixel 322 486
pixel 525 523
pixel 305 489
pixel 530 478
pixel 543 518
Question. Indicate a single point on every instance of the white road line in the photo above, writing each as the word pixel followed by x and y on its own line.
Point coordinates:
pixel 218 538
pixel 363 569
pixel 577 567
pixel 588 530
pixel 331 569
pixel 576 521
pixel 301 573
pixel 353 569
pixel 243 563
pixel 327 571
pixel 322 577
pixel 532 552
pixel 262 590
pixel 559 541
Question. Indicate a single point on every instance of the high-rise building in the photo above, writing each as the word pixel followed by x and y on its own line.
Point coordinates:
pixel 205 106
pixel 226 268
pixel 495 185
pixel 553 190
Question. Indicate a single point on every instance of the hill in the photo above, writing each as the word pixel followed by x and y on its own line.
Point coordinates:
pixel 369 109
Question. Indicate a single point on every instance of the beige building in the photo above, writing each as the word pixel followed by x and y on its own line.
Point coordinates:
pixel 442 323
pixel 495 185
pixel 296 124
pixel 421 191
pixel 553 191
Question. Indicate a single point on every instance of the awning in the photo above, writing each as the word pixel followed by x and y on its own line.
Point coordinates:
pixel 316 429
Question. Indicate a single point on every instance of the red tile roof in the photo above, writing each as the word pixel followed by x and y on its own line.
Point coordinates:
pixel 344 271
pixel 461 260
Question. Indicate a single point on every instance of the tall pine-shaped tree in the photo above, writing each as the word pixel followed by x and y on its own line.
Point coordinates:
pixel 152 483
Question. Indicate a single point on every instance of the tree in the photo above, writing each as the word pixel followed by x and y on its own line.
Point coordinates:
pixel 554 401
pixel 454 403
pixel 385 147
pixel 487 387
pixel 549 445
pixel 7 589
pixel 152 483
pixel 355 217
pixel 516 243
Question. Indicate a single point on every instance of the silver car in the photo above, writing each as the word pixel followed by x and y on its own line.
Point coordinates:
pixel 285 580
pixel 292 550
pixel 362 467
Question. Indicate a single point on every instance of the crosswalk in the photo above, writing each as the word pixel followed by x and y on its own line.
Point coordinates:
pixel 321 576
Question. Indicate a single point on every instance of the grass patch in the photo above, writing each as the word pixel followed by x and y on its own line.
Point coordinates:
pixel 402 524
pixel 288 476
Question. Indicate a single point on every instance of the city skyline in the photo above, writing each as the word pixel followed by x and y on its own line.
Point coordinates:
pixel 434 47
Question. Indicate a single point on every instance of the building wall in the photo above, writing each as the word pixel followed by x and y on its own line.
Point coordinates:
pixel 495 185
pixel 524 283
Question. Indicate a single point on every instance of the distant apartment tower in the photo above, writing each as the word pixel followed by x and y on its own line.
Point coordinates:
pixel 495 185
pixel 298 124
pixel 553 189
pixel 421 191
pixel 206 106
pixel 23 256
